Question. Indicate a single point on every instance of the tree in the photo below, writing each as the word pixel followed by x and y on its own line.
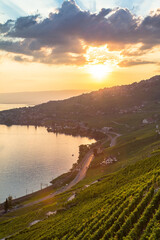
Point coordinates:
pixel 95 152
pixel 6 205
pixel 10 201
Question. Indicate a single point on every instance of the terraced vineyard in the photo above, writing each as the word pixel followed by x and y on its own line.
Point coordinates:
pixel 123 205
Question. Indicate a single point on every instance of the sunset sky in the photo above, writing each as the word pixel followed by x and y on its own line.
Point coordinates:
pixel 83 44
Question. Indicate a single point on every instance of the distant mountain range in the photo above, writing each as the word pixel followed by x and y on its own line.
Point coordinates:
pixel 33 98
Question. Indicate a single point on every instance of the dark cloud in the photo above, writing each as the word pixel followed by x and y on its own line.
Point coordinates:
pixel 149 30
pixel 63 32
pixel 22 47
pixel 128 63
pixel 104 12
pixel 20 59
pixel 25 22
pixel 4 28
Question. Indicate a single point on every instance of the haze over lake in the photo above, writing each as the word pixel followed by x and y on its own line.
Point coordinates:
pixel 30 156
pixel 11 106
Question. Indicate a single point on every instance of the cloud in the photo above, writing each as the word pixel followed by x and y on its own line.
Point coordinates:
pixel 63 37
pixel 4 28
pixel 129 63
pixel 19 58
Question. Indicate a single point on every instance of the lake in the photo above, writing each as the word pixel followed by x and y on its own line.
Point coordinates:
pixel 31 156
pixel 4 106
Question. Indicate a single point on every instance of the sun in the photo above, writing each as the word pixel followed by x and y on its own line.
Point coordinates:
pixel 99 71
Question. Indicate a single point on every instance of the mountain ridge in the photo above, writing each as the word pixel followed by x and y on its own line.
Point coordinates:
pixel 97 109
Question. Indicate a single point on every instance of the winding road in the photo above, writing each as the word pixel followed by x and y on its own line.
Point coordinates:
pixel 113 139
pixel 81 174
pixel 88 158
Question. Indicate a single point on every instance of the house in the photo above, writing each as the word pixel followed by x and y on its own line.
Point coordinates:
pixel 99 150
pixel 145 121
pixel 109 160
pixel 158 132
pixel 106 129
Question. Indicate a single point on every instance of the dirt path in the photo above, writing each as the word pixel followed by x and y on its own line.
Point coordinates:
pixel 121 124
pixel 113 139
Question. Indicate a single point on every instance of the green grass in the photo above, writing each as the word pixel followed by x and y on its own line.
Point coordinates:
pixel 108 209
pixel 91 204
pixel 129 149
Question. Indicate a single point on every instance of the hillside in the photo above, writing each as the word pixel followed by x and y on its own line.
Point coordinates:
pixel 119 198
pixel 123 205
pixel 129 104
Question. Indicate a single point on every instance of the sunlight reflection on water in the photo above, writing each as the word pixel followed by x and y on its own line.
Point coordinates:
pixel 30 156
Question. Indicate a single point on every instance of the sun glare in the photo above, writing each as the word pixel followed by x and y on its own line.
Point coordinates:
pixel 101 61
pixel 99 71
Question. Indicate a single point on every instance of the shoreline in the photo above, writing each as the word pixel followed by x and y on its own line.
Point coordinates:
pixel 85 163
pixel 51 187
pixel 17 202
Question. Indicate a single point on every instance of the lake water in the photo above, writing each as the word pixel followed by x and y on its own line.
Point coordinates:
pixel 30 156
pixel 10 106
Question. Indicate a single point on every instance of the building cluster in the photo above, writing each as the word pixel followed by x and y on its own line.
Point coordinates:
pixel 76 128
pixel 23 116
pixel 109 160
pixel 157 129
pixel 134 109
pixel 148 121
